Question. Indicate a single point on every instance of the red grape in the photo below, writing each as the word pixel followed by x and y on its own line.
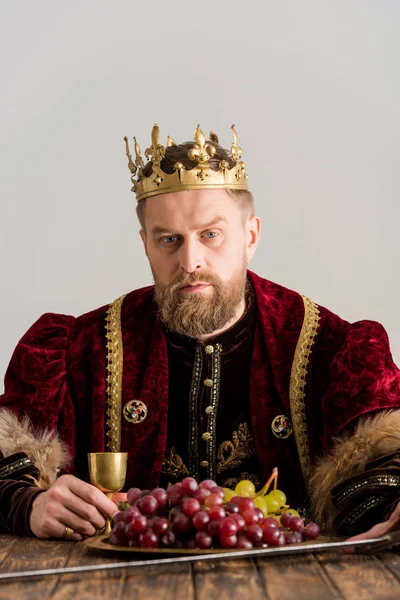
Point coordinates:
pixel 280 541
pixel 201 519
pixel 236 500
pixel 213 500
pixel 246 504
pixel 214 527
pixel 182 523
pixel 218 490
pixel 241 523
pixel 217 513
pixel 207 484
pixel 254 533
pixel 243 542
pixel 161 496
pixel 119 530
pixel 175 493
pixel 130 514
pixel 260 514
pixel 286 519
pixel 311 531
pixel 232 508
pixel 201 494
pixel 168 539
pixel 291 537
pixel 133 494
pixel 139 524
pixel 116 541
pixel 271 535
pixel 270 522
pixel 191 506
pixel 250 516
pixel 203 540
pixel 189 485
pixel 228 541
pixel 160 525
pixel 148 539
pixel 228 527
pixel 147 504
pixel 119 516
pixel 296 524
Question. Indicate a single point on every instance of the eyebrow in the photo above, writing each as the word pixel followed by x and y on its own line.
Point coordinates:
pixel 158 229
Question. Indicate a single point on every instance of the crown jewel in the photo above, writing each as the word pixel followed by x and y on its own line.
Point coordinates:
pixel 200 176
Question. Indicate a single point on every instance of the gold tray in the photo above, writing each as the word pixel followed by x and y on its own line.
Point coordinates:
pixel 101 542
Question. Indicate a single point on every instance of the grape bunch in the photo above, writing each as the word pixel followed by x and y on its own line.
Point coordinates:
pixel 204 515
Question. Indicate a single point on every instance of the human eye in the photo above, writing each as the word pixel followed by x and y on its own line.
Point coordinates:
pixel 168 240
pixel 210 234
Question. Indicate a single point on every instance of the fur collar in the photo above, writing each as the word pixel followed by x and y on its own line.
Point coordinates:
pixel 372 438
pixel 44 448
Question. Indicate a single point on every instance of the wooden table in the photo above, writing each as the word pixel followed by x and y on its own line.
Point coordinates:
pixel 321 576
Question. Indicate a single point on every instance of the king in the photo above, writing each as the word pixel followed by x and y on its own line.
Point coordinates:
pixel 213 372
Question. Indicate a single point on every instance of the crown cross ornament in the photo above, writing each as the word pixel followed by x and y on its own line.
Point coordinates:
pixel 200 176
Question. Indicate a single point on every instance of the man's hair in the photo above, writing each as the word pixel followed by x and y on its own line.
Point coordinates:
pixel 179 153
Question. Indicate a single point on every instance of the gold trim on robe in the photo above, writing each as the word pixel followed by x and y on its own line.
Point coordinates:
pixel 298 382
pixel 115 361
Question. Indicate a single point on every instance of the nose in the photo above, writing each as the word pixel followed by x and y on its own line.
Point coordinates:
pixel 191 256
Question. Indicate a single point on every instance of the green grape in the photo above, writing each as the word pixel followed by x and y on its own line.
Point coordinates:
pixel 272 504
pixel 245 488
pixel 279 496
pixel 229 494
pixel 260 503
pixel 294 512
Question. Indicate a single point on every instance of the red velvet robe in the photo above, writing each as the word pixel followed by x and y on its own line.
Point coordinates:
pixel 57 376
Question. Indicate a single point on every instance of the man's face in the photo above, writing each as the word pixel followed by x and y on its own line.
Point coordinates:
pixel 198 244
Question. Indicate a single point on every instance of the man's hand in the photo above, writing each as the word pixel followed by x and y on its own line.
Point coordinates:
pixel 381 528
pixel 73 503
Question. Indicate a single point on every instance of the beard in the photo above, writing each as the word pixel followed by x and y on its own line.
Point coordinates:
pixel 196 314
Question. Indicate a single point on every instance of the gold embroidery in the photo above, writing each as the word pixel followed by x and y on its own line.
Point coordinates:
pixel 362 508
pixel 298 381
pixel 173 464
pixel 231 482
pixel 212 416
pixel 374 481
pixel 114 375
pixel 193 425
pixel 231 454
pixel 17 465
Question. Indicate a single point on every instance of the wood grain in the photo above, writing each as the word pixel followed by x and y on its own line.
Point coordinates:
pixel 225 580
pixel 360 576
pixel 31 553
pixel 7 543
pixel 391 560
pixel 305 577
pixel 299 577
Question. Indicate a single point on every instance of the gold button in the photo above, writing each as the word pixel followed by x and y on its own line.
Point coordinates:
pixel 204 463
pixel 206 436
pixel 208 382
pixel 209 410
pixel 209 349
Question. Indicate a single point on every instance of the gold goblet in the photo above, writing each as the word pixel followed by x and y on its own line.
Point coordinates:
pixel 107 472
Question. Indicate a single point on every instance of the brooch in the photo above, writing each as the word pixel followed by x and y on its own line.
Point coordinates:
pixel 135 411
pixel 281 427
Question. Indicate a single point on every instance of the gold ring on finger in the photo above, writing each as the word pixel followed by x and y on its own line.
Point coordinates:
pixel 68 533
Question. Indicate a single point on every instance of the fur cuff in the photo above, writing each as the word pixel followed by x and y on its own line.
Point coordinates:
pixel 44 448
pixel 373 437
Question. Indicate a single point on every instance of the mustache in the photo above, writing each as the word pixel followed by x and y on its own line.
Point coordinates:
pixel 191 278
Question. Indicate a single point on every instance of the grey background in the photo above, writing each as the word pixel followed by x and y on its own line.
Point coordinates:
pixel 314 90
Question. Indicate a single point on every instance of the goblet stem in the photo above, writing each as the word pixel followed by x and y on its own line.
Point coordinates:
pixel 108 527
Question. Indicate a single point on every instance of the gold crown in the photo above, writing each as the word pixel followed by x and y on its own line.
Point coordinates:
pixel 200 176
